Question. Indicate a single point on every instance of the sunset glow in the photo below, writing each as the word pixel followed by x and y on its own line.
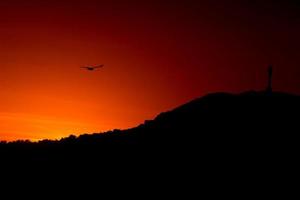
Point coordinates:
pixel 156 56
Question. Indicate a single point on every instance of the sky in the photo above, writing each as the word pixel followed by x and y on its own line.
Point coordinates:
pixel 157 56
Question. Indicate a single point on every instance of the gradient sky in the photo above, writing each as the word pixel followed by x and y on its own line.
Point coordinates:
pixel 156 55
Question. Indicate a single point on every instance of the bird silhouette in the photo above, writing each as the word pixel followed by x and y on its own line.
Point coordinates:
pixel 92 68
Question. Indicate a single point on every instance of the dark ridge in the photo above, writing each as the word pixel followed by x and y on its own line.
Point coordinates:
pixel 240 122
pixel 229 142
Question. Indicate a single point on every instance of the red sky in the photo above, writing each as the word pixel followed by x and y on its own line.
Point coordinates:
pixel 156 55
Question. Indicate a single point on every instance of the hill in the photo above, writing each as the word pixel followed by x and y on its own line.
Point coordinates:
pixel 219 144
pixel 221 122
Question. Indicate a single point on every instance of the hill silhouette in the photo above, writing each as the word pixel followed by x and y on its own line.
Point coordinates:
pixel 230 143
pixel 235 124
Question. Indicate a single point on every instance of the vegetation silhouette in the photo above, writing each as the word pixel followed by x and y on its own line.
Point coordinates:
pixel 234 124
pixel 228 142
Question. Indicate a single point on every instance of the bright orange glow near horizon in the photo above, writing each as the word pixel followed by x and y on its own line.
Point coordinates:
pixel 156 56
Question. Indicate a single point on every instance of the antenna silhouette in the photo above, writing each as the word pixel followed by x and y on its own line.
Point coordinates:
pixel 270 76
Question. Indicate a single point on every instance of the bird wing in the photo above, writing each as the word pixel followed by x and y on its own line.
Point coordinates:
pixel 98 66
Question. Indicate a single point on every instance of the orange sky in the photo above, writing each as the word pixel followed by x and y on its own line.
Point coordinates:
pixel 156 56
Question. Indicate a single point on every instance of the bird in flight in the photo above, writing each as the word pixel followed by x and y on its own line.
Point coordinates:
pixel 92 68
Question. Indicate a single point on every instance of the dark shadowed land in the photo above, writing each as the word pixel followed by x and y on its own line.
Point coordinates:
pixel 242 137
pixel 233 124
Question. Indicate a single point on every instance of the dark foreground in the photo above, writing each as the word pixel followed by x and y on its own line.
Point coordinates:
pixel 218 139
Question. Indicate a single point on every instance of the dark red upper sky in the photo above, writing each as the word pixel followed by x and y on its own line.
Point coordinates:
pixel 156 55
